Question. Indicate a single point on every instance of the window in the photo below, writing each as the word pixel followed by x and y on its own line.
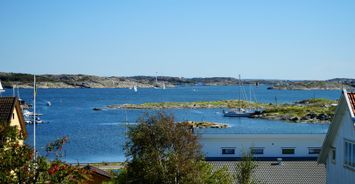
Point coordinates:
pixel 288 151
pixel 333 155
pixel 313 151
pixel 349 154
pixel 257 151
pixel 228 151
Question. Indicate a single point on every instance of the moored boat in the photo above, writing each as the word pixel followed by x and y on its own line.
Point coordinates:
pixel 240 112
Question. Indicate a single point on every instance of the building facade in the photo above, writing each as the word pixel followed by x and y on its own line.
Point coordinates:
pixel 262 146
pixel 11 115
pixel 338 150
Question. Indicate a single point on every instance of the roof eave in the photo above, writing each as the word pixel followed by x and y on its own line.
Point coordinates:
pixel 21 118
pixel 332 129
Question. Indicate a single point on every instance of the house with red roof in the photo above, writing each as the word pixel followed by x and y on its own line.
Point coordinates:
pixel 338 150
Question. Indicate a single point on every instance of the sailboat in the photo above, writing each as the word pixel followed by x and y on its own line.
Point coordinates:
pixel 135 88
pixel 239 112
pixel 156 85
pixel 1 88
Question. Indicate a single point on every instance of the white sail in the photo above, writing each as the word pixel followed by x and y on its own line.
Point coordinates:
pixel 1 88
pixel 135 88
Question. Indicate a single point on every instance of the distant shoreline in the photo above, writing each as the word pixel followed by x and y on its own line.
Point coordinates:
pixel 21 80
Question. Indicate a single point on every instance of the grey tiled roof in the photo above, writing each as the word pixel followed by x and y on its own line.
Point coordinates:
pixel 7 105
pixel 290 172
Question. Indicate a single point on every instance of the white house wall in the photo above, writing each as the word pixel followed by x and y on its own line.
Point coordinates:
pixel 212 144
pixel 336 172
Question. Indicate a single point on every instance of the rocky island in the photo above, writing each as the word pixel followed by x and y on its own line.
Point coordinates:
pixel 194 124
pixel 333 84
pixel 310 110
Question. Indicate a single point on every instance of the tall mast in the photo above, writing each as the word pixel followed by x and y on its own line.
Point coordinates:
pixel 34 116
pixel 240 91
pixel 18 93
pixel 13 91
pixel 156 78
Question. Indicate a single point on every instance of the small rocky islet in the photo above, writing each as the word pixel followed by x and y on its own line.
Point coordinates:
pixel 203 124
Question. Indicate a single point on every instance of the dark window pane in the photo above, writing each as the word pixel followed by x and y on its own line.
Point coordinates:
pixel 288 151
pixel 333 154
pixel 257 151
pixel 313 151
pixel 228 151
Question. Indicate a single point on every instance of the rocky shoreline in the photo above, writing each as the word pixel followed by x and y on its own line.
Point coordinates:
pixel 314 85
pixel 204 124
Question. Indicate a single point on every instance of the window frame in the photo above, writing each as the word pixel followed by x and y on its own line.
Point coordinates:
pixel 257 148
pixel 333 157
pixel 349 154
pixel 314 148
pixel 228 148
pixel 290 148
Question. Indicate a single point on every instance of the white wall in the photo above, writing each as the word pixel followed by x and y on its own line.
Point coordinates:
pixel 272 144
pixel 336 172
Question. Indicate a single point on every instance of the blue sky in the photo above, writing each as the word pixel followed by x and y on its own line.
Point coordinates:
pixel 284 39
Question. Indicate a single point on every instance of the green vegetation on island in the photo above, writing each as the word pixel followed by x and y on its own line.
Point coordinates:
pixel 203 124
pixel 311 110
pixel 313 85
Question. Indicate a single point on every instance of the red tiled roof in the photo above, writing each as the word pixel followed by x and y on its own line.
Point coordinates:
pixel 351 97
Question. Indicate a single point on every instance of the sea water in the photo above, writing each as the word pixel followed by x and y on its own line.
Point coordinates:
pixel 99 136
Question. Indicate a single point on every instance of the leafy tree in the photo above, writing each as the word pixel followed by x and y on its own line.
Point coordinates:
pixel 161 151
pixel 18 166
pixel 60 172
pixel 56 147
pixel 245 169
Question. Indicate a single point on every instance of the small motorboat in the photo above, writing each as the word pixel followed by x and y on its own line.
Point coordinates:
pixel 38 121
pixel 28 113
